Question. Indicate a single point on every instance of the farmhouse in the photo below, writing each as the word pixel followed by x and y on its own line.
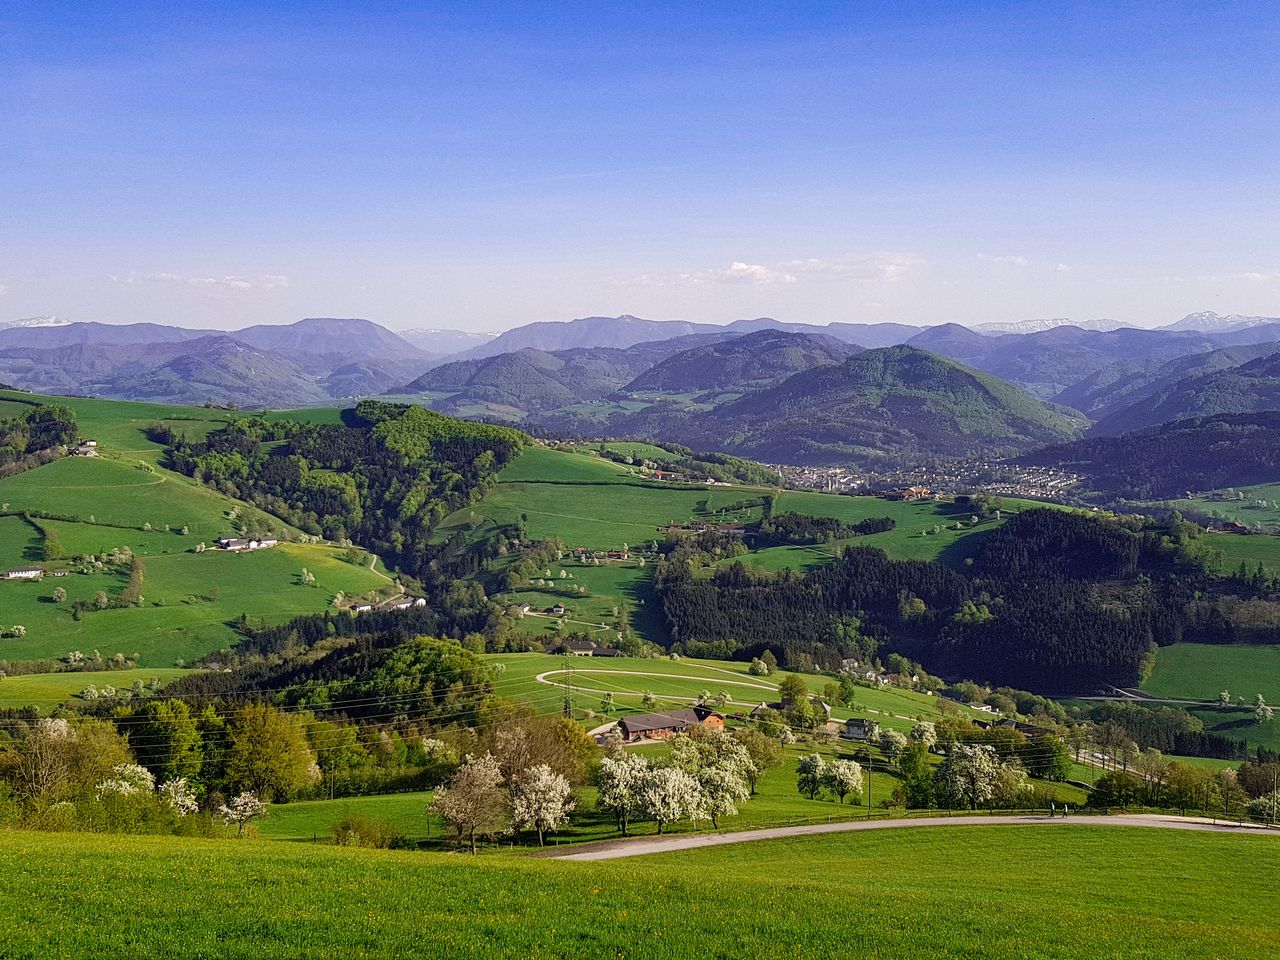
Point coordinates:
pixel 576 648
pixel 660 726
pixel 25 573
pixel 558 610
pixel 243 545
pixel 860 728
pixel 89 448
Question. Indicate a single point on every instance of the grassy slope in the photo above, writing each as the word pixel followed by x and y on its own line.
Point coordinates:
pixel 587 501
pixel 1027 892
pixel 47 690
pixel 1200 670
pixel 179 619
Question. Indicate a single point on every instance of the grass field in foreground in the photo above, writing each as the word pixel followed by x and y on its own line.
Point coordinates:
pixel 1072 891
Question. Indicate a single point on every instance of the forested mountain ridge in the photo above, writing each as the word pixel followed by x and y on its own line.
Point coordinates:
pixel 752 360
pixel 1129 381
pixel 1170 459
pixel 890 403
pixel 1249 387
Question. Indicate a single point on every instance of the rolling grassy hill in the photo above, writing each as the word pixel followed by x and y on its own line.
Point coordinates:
pixel 126 498
pixel 1076 891
pixel 586 500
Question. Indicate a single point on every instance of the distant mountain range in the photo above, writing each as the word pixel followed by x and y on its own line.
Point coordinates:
pixel 789 392
pixel 310 362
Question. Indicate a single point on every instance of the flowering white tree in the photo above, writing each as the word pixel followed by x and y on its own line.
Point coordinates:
pixel 926 733
pixel 969 776
pixel 243 809
pixel 179 796
pixel 541 799
pixel 473 802
pixel 810 772
pixel 892 743
pixel 128 779
pixel 619 782
pixel 843 778
pixel 668 794
pixel 723 789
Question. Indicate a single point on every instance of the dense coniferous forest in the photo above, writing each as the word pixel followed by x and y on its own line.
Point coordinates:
pixel 799 528
pixel 1052 601
pixel 384 480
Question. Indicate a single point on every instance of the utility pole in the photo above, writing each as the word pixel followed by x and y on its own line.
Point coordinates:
pixel 868 778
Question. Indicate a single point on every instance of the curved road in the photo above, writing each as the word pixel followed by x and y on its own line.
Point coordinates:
pixel 641 846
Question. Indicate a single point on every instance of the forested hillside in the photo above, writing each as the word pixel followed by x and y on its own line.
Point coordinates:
pixel 886 405
pixel 1053 601
pixel 384 480
pixel 1168 460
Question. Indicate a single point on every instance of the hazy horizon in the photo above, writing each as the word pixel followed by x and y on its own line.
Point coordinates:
pixel 482 168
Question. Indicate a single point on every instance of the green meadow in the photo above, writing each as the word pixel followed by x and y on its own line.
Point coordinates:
pixel 1070 892
pixel 190 602
pixel 1199 671
pixel 117 493
pixel 47 690
pixel 1251 550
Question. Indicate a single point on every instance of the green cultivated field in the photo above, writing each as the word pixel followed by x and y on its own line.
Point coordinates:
pixel 1251 549
pixel 1073 892
pixel 47 690
pixel 20 543
pixel 1199 671
pixel 179 618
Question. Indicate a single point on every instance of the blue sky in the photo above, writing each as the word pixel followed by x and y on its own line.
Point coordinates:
pixel 483 165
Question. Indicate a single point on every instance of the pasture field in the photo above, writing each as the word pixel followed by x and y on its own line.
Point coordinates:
pixel 114 492
pixel 1252 550
pixel 119 425
pixel 20 543
pixel 190 601
pixel 47 690
pixel 317 415
pixel 1261 505
pixel 675 682
pixel 1199 671
pixel 1076 891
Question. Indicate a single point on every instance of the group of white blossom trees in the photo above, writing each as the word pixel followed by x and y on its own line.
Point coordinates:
pixel 842 778
pixel 479 800
pixel 704 778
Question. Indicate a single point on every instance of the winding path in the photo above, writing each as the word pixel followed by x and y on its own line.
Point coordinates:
pixel 642 846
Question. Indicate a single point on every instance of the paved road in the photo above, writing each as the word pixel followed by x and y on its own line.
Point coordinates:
pixel 640 846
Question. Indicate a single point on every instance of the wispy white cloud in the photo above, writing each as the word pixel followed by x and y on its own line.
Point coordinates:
pixel 4 288
pixel 1248 276
pixel 1008 260
pixel 268 282
pixel 885 267
pixel 1062 268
